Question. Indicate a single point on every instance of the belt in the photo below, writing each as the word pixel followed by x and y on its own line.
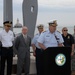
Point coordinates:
pixel 7 47
pixel 39 49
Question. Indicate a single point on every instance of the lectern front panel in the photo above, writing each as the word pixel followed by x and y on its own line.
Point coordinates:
pixel 56 61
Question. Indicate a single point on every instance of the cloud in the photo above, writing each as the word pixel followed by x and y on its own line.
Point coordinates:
pixel 1 1
pixel 1 5
pixel 56 3
pixel 51 2
pixel 17 1
pixel 57 9
pixel 62 10
pixel 47 5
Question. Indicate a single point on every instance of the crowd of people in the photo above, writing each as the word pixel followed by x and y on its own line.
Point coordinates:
pixel 22 43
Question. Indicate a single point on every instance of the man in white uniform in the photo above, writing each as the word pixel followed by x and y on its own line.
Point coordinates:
pixel 50 38
pixel 36 49
pixel 6 38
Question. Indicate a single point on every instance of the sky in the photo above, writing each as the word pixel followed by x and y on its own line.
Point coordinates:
pixel 48 10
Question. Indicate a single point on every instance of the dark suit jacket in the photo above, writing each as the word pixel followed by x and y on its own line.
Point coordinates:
pixel 21 46
pixel 0 47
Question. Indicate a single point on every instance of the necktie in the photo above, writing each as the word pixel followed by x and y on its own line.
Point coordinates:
pixel 25 37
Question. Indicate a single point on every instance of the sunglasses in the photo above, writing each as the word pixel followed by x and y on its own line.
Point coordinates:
pixel 65 30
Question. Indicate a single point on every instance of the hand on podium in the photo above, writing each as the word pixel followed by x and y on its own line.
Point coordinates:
pixel 34 53
pixel 60 45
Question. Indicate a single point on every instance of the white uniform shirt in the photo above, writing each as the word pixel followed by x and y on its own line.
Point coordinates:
pixel 34 40
pixel 48 39
pixel 6 38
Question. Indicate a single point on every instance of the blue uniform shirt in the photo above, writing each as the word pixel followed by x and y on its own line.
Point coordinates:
pixel 49 39
pixel 34 40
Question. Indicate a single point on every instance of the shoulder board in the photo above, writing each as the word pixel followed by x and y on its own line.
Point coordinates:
pixel 58 31
pixel 43 31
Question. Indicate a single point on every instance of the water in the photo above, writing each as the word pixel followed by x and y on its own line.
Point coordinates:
pixel 70 29
pixel 18 30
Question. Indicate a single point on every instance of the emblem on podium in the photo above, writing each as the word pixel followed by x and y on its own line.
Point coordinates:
pixel 60 59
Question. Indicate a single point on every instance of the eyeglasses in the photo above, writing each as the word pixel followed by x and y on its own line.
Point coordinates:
pixel 65 30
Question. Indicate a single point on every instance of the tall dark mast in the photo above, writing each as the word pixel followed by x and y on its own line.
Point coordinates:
pixel 7 11
pixel 30 8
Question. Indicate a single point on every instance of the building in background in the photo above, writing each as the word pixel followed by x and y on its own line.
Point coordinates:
pixel 18 25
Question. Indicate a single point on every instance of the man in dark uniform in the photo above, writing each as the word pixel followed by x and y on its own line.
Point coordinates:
pixel 68 39
pixel 6 38
pixel 73 57
pixel 74 37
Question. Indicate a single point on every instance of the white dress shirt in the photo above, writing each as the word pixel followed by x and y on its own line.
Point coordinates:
pixel 6 38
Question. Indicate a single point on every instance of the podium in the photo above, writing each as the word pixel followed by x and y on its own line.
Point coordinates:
pixel 56 61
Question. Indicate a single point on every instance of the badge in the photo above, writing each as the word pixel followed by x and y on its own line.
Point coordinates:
pixel 68 37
